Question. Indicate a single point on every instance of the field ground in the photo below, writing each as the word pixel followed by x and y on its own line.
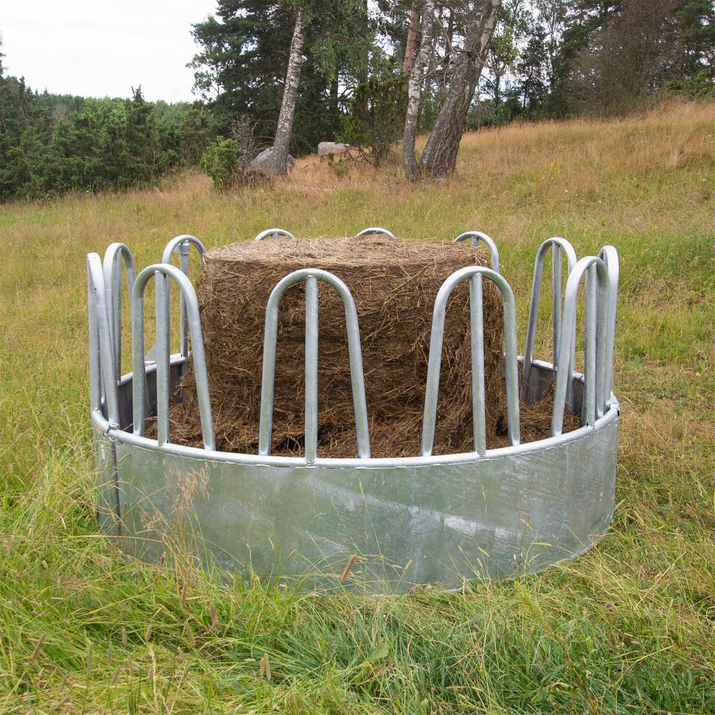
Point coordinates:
pixel 627 628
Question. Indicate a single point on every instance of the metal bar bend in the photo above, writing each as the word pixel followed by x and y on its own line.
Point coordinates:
pixel 163 273
pixel 557 245
pixel 474 274
pixel 273 233
pixel 476 237
pixel 597 293
pixel 312 276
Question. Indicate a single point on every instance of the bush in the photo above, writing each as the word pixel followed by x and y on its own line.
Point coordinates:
pixel 220 162
pixel 376 116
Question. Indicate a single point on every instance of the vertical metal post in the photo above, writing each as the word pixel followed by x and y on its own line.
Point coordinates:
pixel 609 256
pixel 556 299
pixel 597 292
pixel 184 249
pixel 182 245
pixel 476 316
pixel 95 376
pixel 311 276
pixel 557 246
pixel 163 272
pixel 435 356
pixel 163 356
pixel 311 369
pixel 588 414
pixel 114 256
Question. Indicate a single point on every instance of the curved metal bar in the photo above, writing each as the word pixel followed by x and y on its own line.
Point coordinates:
pixel 312 276
pixel 597 290
pixel 373 230
pixel 163 273
pixel 112 269
pixel 558 245
pixel 478 236
pixel 103 377
pixel 435 359
pixel 182 245
pixel 273 233
pixel 609 255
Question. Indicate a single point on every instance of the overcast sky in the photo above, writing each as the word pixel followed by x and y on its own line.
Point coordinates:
pixel 98 48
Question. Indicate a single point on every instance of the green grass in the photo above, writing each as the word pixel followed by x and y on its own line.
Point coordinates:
pixel 629 627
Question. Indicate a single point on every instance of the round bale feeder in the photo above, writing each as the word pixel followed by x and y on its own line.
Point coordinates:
pixel 354 412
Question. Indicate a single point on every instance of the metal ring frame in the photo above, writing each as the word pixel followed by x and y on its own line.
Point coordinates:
pixel 557 246
pixel 474 274
pixel 182 245
pixel 121 405
pixel 104 284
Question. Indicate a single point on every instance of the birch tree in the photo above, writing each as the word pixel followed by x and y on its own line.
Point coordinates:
pixel 284 129
pixel 409 161
pixel 411 38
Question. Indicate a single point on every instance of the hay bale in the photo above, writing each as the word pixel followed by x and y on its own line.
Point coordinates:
pixel 394 284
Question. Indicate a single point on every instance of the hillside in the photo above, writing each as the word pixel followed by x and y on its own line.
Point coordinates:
pixel 629 627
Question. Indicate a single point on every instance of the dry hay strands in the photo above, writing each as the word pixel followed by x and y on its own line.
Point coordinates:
pixel 394 283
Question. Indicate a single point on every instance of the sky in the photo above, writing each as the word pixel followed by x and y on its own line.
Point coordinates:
pixel 98 48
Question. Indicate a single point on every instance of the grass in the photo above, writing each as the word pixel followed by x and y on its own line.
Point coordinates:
pixel 627 628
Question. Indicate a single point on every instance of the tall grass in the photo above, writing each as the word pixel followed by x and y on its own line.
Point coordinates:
pixel 629 627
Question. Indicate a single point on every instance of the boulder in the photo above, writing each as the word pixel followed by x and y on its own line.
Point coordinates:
pixel 325 148
pixel 262 163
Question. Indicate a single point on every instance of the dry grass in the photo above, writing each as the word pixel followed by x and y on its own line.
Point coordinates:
pixel 628 627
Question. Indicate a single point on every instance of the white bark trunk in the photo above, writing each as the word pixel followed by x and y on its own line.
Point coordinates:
pixel 409 161
pixel 284 130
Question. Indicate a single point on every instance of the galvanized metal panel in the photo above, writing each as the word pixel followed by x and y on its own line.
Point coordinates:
pixel 432 524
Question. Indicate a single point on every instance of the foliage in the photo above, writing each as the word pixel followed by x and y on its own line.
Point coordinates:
pixel 220 162
pixel 51 144
pixel 242 62
pixel 227 161
pixel 376 116
pixel 618 53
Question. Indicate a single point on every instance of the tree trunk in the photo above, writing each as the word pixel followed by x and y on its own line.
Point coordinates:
pixel 284 130
pixel 409 162
pixel 448 50
pixel 440 154
pixel 411 39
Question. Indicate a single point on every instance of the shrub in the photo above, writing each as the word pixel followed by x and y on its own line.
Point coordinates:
pixel 220 162
pixel 376 115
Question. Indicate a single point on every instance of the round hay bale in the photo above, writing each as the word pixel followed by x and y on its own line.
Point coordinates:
pixel 394 283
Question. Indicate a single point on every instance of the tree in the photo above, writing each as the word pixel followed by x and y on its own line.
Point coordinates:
pixel 409 162
pixel 504 52
pixel 440 153
pixel 376 114
pixel 533 68
pixel 625 52
pixel 243 60
pixel 411 38
pixel 551 18
pixel 279 160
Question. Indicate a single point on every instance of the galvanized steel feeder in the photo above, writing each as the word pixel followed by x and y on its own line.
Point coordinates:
pixel 426 520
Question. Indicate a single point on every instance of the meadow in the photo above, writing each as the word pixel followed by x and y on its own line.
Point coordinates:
pixel 629 627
